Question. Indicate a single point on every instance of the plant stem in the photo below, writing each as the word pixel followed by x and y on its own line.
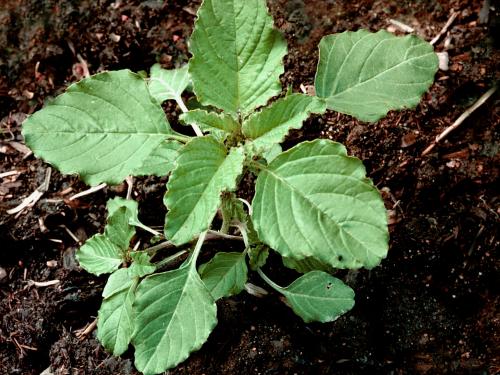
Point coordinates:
pixel 271 283
pixel 211 235
pixel 169 259
pixel 185 109
pixel 178 137
pixel 197 249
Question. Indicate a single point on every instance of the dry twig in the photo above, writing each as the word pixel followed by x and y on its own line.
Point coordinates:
pixel 88 191
pixel 460 120
pixel 31 200
pixel 445 28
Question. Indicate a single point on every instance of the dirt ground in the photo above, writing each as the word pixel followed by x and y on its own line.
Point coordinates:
pixel 432 307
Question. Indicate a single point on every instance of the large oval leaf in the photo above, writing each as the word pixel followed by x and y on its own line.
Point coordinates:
pixel 174 316
pixel 102 128
pixel 203 170
pixel 367 74
pixel 315 201
pixel 237 55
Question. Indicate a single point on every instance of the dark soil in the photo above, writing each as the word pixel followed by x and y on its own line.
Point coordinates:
pixel 430 308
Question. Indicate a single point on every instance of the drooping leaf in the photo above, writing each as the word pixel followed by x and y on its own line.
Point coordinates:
pixel 168 84
pixel 141 265
pixel 257 256
pixel 175 313
pixel 117 282
pixel 210 121
pixel 118 229
pixel 317 296
pixel 203 170
pixel 315 201
pixel 99 255
pixel 237 55
pixel 367 74
pixel 115 323
pixel 161 160
pixel 225 274
pixel 272 124
pixel 307 265
pixel 102 128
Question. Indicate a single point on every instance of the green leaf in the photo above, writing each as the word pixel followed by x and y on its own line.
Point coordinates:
pixel 118 229
pixel 257 256
pixel 141 264
pixel 272 124
pixel 317 296
pixel 117 282
pixel 115 324
pixel 168 84
pixel 367 74
pixel 102 128
pixel 306 265
pixel 315 201
pixel 133 211
pixel 237 55
pixel 175 313
pixel 161 160
pixel 203 170
pixel 99 255
pixel 225 274
pixel 272 153
pixel 210 121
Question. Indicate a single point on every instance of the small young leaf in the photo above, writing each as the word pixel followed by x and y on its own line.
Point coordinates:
pixel 225 274
pixel 133 210
pixel 115 323
pixel 318 297
pixel 237 55
pixel 161 160
pixel 210 121
pixel 367 74
pixel 272 124
pixel 99 255
pixel 141 265
pixel 118 229
pixel 203 170
pixel 103 128
pixel 315 201
pixel 174 314
pixel 306 265
pixel 168 84
pixel 117 282
pixel 257 256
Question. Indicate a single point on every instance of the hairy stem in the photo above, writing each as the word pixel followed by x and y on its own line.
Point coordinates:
pixel 268 281
pixel 185 109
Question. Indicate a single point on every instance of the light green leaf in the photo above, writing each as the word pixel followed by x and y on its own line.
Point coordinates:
pixel 168 84
pixel 367 74
pixel 317 296
pixel 272 153
pixel 203 170
pixel 99 255
pixel 133 211
pixel 272 124
pixel 141 265
pixel 237 55
pixel 307 265
pixel 210 121
pixel 161 160
pixel 102 128
pixel 115 323
pixel 118 229
pixel 117 282
pixel 225 274
pixel 257 256
pixel 175 313
pixel 315 201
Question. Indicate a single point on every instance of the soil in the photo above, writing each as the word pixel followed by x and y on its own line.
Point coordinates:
pixel 430 308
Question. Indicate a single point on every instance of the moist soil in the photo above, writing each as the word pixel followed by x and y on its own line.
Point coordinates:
pixel 431 307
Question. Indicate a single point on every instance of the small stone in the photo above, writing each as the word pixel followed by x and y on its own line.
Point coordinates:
pixel 3 273
pixel 69 259
pixel 52 263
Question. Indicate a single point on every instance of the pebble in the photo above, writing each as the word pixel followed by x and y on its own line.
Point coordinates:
pixel 3 273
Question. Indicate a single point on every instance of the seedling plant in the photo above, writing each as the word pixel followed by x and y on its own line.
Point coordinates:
pixel 313 204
